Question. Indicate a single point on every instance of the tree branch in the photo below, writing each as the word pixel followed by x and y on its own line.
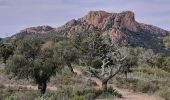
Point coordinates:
pixel 94 73
pixel 113 74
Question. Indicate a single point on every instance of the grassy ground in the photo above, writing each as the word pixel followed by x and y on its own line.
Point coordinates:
pixel 146 80
pixel 69 85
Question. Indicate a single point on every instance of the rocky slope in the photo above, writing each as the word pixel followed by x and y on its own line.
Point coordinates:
pixel 120 26
pixel 40 30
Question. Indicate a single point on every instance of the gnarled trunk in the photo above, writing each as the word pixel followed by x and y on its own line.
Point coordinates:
pixel 126 75
pixel 42 87
pixel 104 85
pixel 70 67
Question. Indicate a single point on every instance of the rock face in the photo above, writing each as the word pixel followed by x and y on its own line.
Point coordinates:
pixel 96 18
pixel 120 26
pixel 40 31
pixel 37 30
pixel 109 21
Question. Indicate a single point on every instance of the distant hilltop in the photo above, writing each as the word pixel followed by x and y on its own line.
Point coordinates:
pixel 121 26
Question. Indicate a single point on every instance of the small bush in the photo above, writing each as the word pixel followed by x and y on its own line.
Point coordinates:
pixel 138 85
pixel 145 86
pixel 12 98
pixel 87 94
pixel 96 63
pixel 78 98
pixel 142 86
pixel 93 94
pixel 153 71
pixel 165 93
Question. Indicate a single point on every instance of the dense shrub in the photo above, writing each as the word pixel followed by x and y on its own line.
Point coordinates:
pixel 144 86
pixel 86 94
pixel 153 71
pixel 165 93
pixel 12 98
pixel 138 85
pixel 16 93
pixel 96 63
pixel 166 68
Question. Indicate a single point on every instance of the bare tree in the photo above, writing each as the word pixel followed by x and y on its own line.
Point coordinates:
pixel 104 51
pixel 111 65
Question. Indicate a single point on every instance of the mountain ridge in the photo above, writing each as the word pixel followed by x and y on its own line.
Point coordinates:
pixel 120 26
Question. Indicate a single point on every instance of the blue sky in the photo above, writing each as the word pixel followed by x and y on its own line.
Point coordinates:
pixel 16 15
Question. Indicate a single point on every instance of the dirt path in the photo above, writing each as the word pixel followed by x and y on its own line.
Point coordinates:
pixel 127 95
pixel 52 88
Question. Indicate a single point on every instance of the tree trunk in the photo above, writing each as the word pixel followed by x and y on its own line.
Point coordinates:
pixel 104 85
pixel 103 70
pixel 42 87
pixel 70 67
pixel 126 75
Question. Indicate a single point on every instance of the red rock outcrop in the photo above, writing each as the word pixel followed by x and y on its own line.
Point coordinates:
pixel 119 26
pixel 96 18
pixel 37 30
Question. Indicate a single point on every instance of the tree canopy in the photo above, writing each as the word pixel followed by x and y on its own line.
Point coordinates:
pixel 29 61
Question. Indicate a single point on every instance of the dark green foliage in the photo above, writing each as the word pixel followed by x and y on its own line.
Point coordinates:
pixel 128 63
pixel 29 47
pixel 29 61
pixel 96 63
pixel 6 50
pixel 160 61
pixel 166 64
pixel 67 53
pixel 19 66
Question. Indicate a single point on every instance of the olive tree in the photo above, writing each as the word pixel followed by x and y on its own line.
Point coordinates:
pixel 109 66
pixel 29 61
pixel 101 54
pixel 90 44
pixel 67 53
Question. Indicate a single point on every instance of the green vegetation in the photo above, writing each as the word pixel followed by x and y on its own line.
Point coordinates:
pixel 30 61
pixel 165 93
pixel 42 61
pixel 67 53
pixel 166 41
pixel 87 94
pixel 96 63
pixel 6 50
pixel 153 71
pixel 16 93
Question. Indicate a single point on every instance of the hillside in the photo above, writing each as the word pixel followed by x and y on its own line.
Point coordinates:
pixel 75 62
pixel 122 27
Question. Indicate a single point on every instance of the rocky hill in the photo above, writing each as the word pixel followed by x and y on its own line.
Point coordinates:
pixel 120 26
pixel 40 30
